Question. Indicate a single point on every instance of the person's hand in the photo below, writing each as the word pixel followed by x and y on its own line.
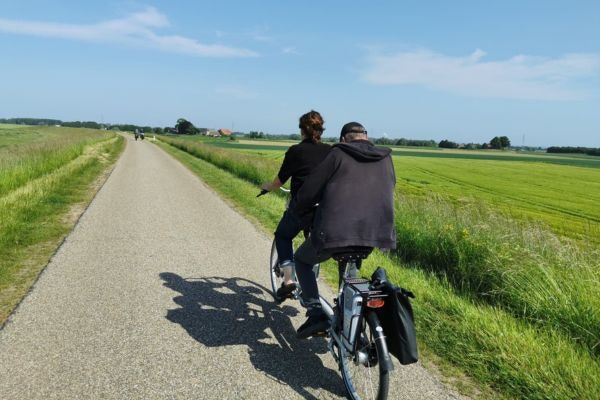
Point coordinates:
pixel 266 186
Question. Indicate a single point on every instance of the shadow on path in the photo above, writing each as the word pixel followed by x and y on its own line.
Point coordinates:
pixel 235 311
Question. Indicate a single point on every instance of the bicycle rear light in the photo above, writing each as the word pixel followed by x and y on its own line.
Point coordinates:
pixel 375 303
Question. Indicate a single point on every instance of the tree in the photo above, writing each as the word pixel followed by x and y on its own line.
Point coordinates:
pixel 384 141
pixel 446 144
pixel 185 127
pixel 495 142
pixel 501 142
pixel 256 135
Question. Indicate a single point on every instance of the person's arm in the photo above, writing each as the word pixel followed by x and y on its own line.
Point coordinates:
pixel 312 189
pixel 285 172
pixel 270 186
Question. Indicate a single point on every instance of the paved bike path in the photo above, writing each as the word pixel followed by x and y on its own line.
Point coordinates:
pixel 160 292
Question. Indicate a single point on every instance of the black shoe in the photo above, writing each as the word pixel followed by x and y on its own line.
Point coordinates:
pixel 315 325
pixel 285 292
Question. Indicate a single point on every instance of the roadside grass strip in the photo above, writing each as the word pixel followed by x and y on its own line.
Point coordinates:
pixel 35 216
pixel 28 152
pixel 519 355
pixel 521 267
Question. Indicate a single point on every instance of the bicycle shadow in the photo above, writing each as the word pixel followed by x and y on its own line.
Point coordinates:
pixel 218 311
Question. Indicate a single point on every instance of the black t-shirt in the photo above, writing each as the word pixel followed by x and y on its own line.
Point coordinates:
pixel 299 161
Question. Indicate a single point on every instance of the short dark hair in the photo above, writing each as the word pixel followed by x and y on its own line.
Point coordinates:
pixel 352 130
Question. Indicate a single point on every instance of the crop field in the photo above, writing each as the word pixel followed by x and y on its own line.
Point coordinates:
pixel 500 248
pixel 44 173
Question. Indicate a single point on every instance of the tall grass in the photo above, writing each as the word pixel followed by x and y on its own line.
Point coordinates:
pixel 516 358
pixel 519 266
pixel 22 162
pixel 246 166
pixel 32 214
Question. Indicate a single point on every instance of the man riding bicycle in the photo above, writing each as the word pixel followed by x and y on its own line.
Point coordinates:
pixel 354 187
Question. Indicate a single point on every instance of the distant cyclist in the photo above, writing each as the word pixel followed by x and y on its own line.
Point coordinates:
pixel 299 161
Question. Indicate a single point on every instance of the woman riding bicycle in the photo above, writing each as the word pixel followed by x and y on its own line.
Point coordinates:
pixel 299 161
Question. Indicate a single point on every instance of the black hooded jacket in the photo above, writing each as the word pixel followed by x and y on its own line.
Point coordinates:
pixel 354 187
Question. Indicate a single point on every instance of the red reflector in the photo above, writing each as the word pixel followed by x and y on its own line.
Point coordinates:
pixel 375 303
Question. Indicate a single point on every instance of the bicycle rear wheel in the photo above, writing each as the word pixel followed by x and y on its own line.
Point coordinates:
pixel 364 376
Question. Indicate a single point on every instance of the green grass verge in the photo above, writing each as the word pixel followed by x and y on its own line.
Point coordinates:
pixel 35 217
pixel 514 357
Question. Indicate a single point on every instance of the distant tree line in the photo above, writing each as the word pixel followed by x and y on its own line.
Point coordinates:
pixel 447 144
pixel 577 150
pixel 405 142
pixel 82 124
pixel 498 142
pixel 30 121
pixel 185 127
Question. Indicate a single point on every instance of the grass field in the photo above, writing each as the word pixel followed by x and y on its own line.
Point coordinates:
pixel 47 176
pixel 502 297
pixel 562 191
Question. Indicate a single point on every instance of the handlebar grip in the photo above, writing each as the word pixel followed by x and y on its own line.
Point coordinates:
pixel 262 192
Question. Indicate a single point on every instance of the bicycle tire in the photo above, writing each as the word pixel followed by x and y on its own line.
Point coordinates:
pixel 359 378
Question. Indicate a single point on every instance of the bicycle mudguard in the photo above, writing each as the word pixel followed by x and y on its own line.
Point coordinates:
pixel 385 360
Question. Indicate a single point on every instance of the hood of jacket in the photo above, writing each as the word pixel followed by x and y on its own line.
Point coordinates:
pixel 363 150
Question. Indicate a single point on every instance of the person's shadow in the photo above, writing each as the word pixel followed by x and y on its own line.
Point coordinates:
pixel 232 311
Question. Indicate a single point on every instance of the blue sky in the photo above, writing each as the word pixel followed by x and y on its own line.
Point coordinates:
pixel 462 70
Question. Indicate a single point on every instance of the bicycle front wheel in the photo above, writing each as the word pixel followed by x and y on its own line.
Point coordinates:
pixel 364 376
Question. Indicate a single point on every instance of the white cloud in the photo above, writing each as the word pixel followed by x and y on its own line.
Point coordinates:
pixel 138 29
pixel 290 50
pixel 520 77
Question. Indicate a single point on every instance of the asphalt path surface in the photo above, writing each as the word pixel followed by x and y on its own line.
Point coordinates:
pixel 160 292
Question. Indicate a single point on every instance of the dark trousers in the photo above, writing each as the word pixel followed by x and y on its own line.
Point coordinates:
pixel 288 228
pixel 306 257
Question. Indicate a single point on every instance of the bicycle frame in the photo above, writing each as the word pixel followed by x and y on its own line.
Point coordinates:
pixel 361 288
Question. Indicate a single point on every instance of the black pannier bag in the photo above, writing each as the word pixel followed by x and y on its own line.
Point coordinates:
pixel 396 318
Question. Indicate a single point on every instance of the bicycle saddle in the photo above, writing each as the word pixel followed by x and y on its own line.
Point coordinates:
pixel 353 253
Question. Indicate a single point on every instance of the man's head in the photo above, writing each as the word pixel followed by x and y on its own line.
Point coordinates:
pixel 353 131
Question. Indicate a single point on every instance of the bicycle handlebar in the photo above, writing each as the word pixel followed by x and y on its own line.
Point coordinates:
pixel 263 191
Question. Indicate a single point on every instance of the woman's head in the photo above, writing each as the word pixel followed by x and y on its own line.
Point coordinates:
pixel 311 126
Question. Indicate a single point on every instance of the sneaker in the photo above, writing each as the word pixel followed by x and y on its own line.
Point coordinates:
pixel 285 292
pixel 315 325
